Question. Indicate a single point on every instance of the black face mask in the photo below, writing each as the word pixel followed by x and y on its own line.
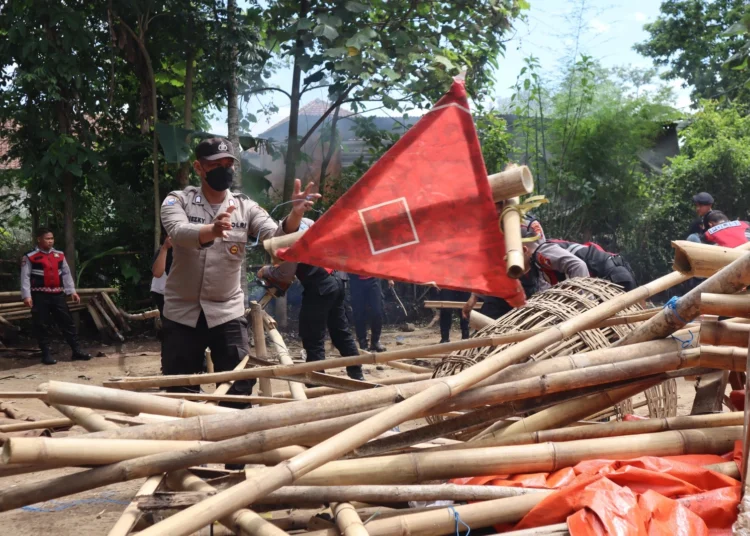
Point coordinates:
pixel 220 179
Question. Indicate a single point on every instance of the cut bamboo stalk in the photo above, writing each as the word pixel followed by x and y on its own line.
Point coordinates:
pixel 568 412
pixel 515 265
pixel 98 322
pixel 269 480
pixel 273 245
pixel 703 260
pixel 259 340
pixel 513 182
pixel 22 394
pixel 438 304
pixel 478 321
pixel 100 308
pixel 149 382
pixel 26 493
pixel 36 425
pixel 114 310
pixel 213 397
pixel 724 357
pixel 727 468
pixel 728 280
pixel 91 396
pixel 725 305
pixel 85 417
pixel 80 451
pixel 243 521
pixel 223 388
pixel 316 392
pixel 347 520
pixel 724 333
pixel 543 458
pixel 282 354
pixel 81 291
pixel 145 315
pixel 132 513
pixel 409 367
pixel 610 429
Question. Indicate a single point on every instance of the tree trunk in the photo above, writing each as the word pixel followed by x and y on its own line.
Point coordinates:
pixel 233 113
pixel 183 175
pixel 293 148
pixel 329 154
pixel 70 231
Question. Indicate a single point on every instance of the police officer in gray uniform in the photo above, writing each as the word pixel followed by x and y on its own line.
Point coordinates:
pixel 209 227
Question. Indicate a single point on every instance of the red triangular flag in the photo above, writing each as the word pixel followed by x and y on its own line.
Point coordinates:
pixel 422 213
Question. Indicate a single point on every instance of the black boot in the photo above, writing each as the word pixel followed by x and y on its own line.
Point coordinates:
pixel 355 373
pixel 80 355
pixel 443 340
pixel 47 358
pixel 363 344
pixel 377 347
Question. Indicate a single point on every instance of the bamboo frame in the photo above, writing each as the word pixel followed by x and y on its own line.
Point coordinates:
pixel 269 480
pixel 725 305
pixel 515 264
pixel 115 311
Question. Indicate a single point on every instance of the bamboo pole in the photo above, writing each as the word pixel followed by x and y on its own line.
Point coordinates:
pixel 100 308
pixel 259 340
pixel 132 513
pixel 36 425
pixel 347 520
pixel 515 265
pixel 80 451
pixel 145 315
pixel 91 396
pixel 513 182
pixel 411 368
pixel 243 521
pixel 724 357
pixel 725 305
pixel 742 525
pixel 439 304
pixel 443 520
pixel 26 493
pixel 543 458
pixel 22 394
pixel 568 412
pixel 213 397
pixel 703 260
pixel 724 333
pixel 728 280
pixel 282 353
pixel 223 388
pixel 558 529
pixel 727 468
pixel 316 392
pixel 478 321
pixel 610 429
pixel 269 480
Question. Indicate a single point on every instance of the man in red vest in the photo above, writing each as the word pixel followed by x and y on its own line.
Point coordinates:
pixel 322 308
pixel 725 233
pixel 45 281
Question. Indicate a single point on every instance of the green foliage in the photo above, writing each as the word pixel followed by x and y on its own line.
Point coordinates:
pixel 690 40
pixel 495 140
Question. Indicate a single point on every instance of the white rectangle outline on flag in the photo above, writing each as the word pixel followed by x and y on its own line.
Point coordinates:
pixel 408 215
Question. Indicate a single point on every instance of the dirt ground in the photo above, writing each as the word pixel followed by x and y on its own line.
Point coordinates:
pixel 94 512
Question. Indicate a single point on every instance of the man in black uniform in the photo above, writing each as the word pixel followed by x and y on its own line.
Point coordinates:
pixel 45 281
pixel 322 308
pixel 446 315
pixel 367 306
pixel 602 264
pixel 704 203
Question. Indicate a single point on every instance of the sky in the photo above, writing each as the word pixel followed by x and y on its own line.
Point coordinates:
pixel 610 28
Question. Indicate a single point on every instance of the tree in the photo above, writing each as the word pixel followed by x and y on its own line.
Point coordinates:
pixel 396 53
pixel 688 40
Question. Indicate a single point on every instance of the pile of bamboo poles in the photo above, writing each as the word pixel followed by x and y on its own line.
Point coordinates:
pixel 334 460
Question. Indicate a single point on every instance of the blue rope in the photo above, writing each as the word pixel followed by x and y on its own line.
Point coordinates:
pixel 672 305
pixel 458 520
pixel 686 342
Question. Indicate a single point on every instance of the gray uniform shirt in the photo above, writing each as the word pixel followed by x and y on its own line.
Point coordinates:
pixel 207 276
pixel 67 279
pixel 551 256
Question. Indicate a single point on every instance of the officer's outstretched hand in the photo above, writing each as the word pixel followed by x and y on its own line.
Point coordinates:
pixel 28 302
pixel 222 223
pixel 303 200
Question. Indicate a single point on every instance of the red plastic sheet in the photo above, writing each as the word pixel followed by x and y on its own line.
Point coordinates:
pixel 422 213
pixel 647 496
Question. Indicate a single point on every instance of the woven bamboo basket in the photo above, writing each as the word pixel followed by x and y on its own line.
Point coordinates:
pixel 553 306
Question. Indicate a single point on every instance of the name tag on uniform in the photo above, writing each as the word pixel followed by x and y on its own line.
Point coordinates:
pixel 197 200
pixel 231 202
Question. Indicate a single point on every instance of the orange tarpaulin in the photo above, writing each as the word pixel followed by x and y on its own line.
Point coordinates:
pixel 646 496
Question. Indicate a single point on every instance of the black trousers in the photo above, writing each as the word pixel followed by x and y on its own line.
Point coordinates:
pixel 183 349
pixel 446 315
pixel 494 307
pixel 323 310
pixel 47 307
pixel 367 307
pixel 624 277
pixel 158 300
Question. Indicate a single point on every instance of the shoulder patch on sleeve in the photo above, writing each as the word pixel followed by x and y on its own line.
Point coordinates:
pixel 543 260
pixel 169 201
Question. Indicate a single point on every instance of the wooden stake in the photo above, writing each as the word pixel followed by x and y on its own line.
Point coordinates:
pixel 511 227
pixel 269 480
pixel 132 513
